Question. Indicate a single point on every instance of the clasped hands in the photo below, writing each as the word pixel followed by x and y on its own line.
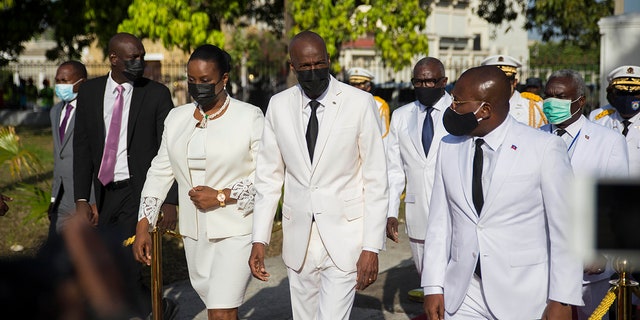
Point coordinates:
pixel 204 198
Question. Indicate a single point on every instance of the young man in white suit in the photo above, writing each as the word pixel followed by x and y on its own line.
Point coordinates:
pixel 595 151
pixel 497 245
pixel 412 146
pixel 335 189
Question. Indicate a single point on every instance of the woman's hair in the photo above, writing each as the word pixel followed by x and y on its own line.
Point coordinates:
pixel 209 52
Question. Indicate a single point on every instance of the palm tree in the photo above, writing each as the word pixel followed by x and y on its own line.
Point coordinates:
pixel 21 162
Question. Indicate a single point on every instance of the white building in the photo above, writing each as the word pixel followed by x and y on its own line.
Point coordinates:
pixel 457 36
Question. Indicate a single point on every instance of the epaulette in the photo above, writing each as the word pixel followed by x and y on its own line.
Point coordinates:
pixel 531 96
pixel 604 113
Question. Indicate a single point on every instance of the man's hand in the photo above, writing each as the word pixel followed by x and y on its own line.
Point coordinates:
pixel 433 306
pixel 367 267
pixel 94 215
pixel 556 311
pixel 84 209
pixel 392 229
pixel 169 217
pixel 3 204
pixel 256 262
pixel 142 244
pixel 204 197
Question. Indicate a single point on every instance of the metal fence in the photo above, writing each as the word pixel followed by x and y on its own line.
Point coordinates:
pixel 256 84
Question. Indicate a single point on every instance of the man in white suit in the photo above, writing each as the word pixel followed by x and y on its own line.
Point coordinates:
pixel 412 147
pixel 497 244
pixel 322 140
pixel 595 151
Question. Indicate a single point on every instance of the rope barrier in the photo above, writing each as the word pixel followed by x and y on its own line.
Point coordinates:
pixel 605 304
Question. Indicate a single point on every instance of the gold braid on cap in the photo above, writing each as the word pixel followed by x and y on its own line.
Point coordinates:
pixel 359 79
pixel 510 71
pixel 626 84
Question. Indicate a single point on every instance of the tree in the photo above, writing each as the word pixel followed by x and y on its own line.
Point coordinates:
pixel 396 24
pixel 21 20
pixel 571 21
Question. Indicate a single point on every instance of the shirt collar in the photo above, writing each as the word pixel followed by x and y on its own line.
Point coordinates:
pixel 495 138
pixel 573 128
pixel 112 85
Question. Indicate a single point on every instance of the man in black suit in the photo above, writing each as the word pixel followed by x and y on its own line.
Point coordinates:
pixel 118 129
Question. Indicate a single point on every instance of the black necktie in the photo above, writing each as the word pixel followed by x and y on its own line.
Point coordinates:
pixel 427 131
pixel 476 183
pixel 560 132
pixel 476 189
pixel 626 124
pixel 312 128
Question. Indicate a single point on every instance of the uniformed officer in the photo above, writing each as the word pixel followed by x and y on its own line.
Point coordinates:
pixel 623 110
pixel 362 78
pixel 525 107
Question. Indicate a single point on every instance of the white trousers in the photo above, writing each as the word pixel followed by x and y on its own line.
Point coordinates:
pixel 417 252
pixel 319 290
pixel 474 306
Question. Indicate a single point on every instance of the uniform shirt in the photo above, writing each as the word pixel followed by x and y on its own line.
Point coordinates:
pixel 526 111
pixel 609 117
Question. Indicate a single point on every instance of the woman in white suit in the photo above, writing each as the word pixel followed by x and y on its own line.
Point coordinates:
pixel 209 148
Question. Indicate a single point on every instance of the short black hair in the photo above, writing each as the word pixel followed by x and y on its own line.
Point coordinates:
pixel 79 68
pixel 209 52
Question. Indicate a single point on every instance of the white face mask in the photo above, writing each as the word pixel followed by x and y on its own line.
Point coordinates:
pixel 64 91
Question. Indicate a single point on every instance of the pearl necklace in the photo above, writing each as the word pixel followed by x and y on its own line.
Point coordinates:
pixel 206 117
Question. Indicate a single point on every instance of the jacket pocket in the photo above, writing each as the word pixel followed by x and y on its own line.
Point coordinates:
pixel 353 203
pixel 528 257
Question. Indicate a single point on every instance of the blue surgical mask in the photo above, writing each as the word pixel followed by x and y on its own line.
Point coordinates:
pixel 558 110
pixel 64 91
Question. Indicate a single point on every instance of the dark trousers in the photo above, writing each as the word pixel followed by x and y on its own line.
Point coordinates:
pixel 117 219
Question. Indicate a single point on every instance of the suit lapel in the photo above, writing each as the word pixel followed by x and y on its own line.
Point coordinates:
pixel 581 145
pixel 506 158
pixel 464 163
pixel 295 111
pixel 99 116
pixel 56 123
pixel 414 134
pixel 134 109
pixel 328 119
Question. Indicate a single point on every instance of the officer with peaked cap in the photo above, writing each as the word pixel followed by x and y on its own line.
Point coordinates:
pixel 362 78
pixel 623 110
pixel 525 107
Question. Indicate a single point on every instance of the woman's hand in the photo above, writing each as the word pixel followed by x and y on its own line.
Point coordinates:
pixel 204 198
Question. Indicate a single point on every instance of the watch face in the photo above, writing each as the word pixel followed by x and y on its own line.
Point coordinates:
pixel 221 197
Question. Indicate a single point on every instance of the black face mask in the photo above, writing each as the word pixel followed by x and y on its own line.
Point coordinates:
pixel 625 104
pixel 428 96
pixel 313 82
pixel 204 93
pixel 460 124
pixel 133 69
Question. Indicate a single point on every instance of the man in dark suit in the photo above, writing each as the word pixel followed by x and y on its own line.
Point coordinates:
pixel 119 124
pixel 69 76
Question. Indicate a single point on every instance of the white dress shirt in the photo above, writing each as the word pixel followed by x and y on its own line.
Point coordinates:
pixel 121 171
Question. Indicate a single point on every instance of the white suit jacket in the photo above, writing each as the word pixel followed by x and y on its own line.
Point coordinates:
pixel 609 117
pixel 232 143
pixel 521 235
pixel 345 189
pixel 406 162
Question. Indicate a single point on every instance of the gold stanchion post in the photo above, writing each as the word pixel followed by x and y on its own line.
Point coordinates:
pixel 626 287
pixel 156 274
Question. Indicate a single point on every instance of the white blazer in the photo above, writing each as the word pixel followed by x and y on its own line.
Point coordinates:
pixel 521 234
pixel 406 162
pixel 232 143
pixel 345 189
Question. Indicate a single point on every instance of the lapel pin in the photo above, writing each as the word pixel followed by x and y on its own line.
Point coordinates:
pixel 514 147
pixel 586 136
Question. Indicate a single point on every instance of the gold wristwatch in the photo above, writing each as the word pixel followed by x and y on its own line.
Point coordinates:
pixel 221 197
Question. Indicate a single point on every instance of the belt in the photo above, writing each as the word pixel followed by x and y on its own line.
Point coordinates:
pixel 115 185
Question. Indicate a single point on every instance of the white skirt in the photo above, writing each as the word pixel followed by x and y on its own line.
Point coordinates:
pixel 218 268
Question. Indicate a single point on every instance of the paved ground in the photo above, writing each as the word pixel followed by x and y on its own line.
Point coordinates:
pixel 385 299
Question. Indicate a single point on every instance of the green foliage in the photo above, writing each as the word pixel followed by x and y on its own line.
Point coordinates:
pixel 20 161
pixel 21 20
pixel 572 21
pixel 36 199
pixel 560 55
pixel 396 24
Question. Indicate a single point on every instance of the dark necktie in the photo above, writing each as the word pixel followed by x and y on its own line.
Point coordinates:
pixel 476 183
pixel 108 164
pixel 560 132
pixel 626 124
pixel 476 188
pixel 63 126
pixel 427 131
pixel 312 128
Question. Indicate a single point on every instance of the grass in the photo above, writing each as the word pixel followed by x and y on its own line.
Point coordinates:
pixel 16 229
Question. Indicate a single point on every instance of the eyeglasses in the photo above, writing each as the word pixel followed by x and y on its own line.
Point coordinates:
pixel 425 82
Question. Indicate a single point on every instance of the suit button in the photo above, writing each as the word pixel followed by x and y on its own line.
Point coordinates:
pixel 480 227
pixel 473 254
